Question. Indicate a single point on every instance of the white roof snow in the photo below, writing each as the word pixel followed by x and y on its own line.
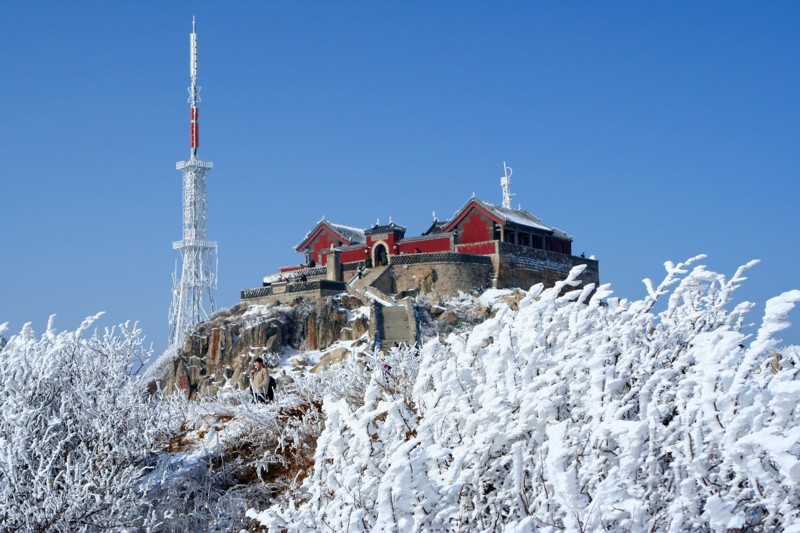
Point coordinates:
pixel 514 216
pixel 354 235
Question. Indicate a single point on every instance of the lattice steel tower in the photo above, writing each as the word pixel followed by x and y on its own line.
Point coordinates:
pixel 198 274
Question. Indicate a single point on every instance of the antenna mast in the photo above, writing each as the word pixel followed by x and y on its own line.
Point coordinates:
pixel 198 273
pixel 194 92
pixel 505 183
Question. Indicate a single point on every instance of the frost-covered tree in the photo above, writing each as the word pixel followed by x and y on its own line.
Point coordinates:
pixel 576 412
pixel 77 432
pixel 234 453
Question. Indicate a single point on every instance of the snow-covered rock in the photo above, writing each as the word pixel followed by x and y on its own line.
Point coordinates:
pixel 221 350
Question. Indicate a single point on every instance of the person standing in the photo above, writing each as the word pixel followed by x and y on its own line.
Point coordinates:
pixel 260 381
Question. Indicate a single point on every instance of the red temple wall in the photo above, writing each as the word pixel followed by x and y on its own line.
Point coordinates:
pixel 351 256
pixel 481 248
pixel 474 227
pixel 426 246
pixel 321 243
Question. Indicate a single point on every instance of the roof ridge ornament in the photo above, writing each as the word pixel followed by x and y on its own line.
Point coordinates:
pixel 505 183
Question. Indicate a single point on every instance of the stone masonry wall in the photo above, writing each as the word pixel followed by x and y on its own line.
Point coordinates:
pixel 522 267
pixel 288 293
pixel 441 278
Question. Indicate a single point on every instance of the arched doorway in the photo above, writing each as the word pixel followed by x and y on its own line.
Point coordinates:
pixel 380 256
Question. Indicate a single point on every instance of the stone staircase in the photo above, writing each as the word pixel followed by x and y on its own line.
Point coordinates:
pixel 370 276
pixel 394 322
pixel 399 325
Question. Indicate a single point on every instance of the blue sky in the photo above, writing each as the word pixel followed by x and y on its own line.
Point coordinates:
pixel 647 131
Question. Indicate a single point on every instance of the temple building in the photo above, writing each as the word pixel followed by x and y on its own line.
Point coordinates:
pixel 477 228
pixel 481 246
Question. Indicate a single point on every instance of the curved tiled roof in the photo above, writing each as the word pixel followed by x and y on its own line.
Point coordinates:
pixel 386 228
pixel 347 233
pixel 351 234
pixel 517 217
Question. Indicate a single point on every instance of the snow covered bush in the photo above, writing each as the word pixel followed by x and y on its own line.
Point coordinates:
pixel 77 432
pixel 576 412
pixel 231 454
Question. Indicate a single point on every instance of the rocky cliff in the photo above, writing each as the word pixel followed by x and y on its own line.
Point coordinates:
pixel 221 349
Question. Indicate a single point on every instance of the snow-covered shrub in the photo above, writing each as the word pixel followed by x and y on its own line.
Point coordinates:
pixel 232 454
pixel 576 412
pixel 77 432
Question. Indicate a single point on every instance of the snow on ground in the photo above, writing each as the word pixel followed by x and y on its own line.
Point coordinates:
pixel 493 296
pixel 292 359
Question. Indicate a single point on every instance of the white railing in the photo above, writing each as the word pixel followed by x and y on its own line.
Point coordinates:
pixel 180 165
pixel 194 243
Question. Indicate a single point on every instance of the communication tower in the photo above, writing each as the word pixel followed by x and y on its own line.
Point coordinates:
pixel 505 183
pixel 198 255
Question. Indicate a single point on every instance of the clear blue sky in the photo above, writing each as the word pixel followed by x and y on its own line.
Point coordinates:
pixel 647 131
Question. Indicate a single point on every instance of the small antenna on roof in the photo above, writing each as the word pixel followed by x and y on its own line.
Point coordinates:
pixel 434 217
pixel 505 183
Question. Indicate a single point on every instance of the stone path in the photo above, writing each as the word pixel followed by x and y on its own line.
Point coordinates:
pixel 399 324
pixel 397 327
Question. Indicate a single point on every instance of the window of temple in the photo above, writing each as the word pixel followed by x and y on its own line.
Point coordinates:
pixel 524 239
pixel 536 242
pixel 511 236
pixel 554 245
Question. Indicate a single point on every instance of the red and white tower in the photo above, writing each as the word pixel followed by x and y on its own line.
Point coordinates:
pixel 198 273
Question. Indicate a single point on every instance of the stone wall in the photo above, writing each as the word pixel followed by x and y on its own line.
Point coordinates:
pixel 353 267
pixel 521 266
pixel 445 273
pixel 385 282
pixel 311 274
pixel 440 273
pixel 289 292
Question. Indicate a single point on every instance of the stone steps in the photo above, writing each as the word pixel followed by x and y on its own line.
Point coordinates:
pixel 397 328
pixel 397 324
pixel 370 276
